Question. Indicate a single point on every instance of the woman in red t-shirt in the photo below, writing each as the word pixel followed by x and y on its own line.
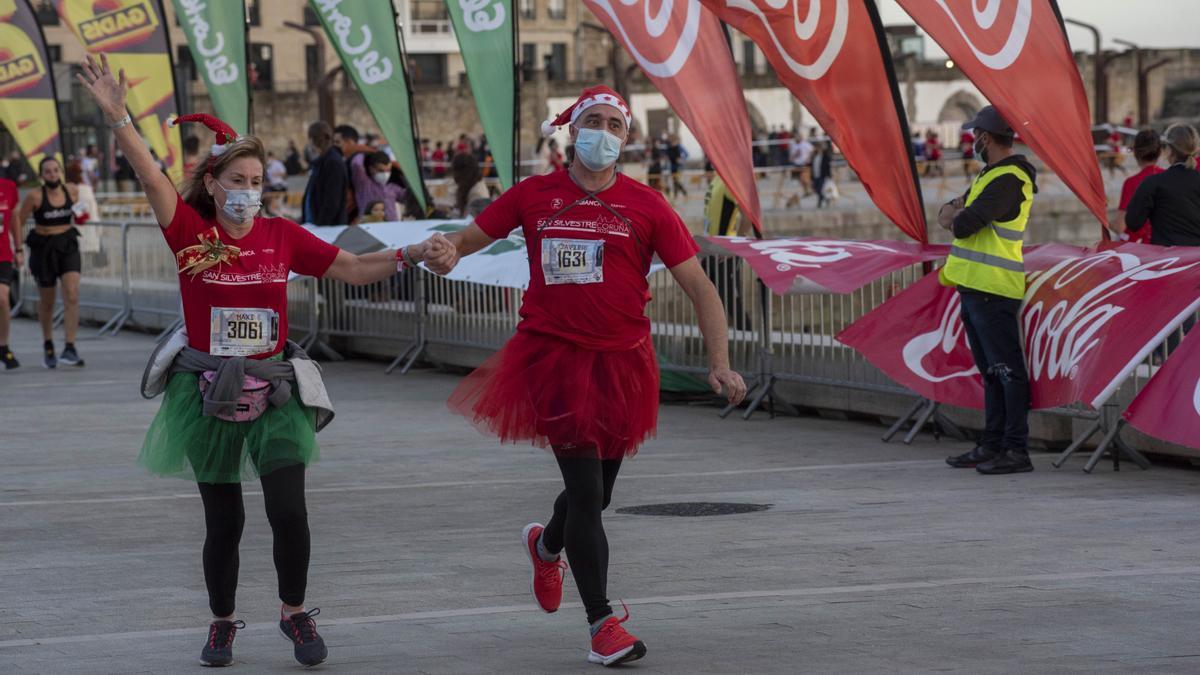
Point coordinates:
pixel 580 376
pixel 1147 148
pixel 217 424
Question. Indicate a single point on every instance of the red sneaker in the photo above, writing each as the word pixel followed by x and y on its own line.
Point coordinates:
pixel 613 646
pixel 547 581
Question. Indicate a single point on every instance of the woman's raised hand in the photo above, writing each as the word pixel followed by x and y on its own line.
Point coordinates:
pixel 108 91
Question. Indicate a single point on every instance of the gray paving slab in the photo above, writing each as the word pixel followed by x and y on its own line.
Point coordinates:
pixel 872 558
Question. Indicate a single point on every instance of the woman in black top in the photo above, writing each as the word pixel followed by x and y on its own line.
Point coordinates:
pixel 1171 200
pixel 54 256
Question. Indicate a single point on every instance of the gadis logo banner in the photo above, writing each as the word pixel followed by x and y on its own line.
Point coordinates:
pixel 132 34
pixel 830 55
pixel 27 107
pixel 1169 407
pixel 216 35
pixel 366 39
pixel 484 29
pixel 681 48
pixel 1017 53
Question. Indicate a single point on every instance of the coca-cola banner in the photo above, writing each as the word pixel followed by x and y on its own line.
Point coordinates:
pixel 1169 406
pixel 830 56
pixel 917 337
pixel 815 265
pixel 1016 52
pixel 682 49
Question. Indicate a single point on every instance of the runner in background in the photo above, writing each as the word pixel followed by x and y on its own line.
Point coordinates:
pixel 54 258
pixel 242 402
pixel 580 376
pixel 11 259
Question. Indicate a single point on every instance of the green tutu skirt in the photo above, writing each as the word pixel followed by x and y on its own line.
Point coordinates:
pixel 184 443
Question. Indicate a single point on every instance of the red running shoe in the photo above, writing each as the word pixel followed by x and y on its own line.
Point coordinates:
pixel 612 646
pixel 547 581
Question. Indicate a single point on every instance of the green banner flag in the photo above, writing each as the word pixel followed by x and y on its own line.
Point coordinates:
pixel 484 29
pixel 366 39
pixel 216 35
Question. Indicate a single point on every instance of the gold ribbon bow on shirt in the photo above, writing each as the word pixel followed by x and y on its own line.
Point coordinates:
pixel 210 252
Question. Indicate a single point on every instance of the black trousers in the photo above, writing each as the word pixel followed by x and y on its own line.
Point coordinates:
pixel 577 526
pixel 224 517
pixel 992 323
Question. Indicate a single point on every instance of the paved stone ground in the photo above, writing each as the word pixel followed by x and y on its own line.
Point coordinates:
pixel 873 557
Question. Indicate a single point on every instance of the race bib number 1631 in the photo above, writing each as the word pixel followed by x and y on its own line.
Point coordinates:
pixel 573 261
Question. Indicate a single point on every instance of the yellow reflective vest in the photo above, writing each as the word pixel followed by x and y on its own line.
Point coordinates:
pixel 721 214
pixel 990 260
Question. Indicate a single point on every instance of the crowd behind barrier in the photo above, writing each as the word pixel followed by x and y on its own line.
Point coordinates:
pixel 130 281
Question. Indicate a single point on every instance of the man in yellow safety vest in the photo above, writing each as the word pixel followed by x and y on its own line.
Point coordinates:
pixel 722 218
pixel 987 268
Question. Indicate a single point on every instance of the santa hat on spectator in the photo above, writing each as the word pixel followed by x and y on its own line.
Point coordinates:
pixel 226 136
pixel 592 96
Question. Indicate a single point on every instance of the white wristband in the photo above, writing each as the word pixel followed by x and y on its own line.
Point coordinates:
pixel 124 121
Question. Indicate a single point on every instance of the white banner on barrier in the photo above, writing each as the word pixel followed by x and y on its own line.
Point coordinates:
pixel 504 263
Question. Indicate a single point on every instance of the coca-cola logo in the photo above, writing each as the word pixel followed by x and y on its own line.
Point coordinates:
pixel 940 343
pixel 658 53
pixel 810 254
pixel 994 48
pixel 818 48
pixel 1059 333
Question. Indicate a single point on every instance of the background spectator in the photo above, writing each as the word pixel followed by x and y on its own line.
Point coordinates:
pixel 1147 148
pixel 328 179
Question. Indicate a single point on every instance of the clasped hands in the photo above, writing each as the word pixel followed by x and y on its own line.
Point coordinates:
pixel 437 252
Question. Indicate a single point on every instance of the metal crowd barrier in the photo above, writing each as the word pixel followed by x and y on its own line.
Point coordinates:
pixel 130 278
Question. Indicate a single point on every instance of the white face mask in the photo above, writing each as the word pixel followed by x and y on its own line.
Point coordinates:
pixel 597 149
pixel 241 205
pixel 381 177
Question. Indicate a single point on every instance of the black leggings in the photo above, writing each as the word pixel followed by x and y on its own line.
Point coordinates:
pixel 224 516
pixel 577 525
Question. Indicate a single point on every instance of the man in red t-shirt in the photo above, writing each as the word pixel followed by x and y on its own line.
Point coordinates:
pixel 580 375
pixel 1147 148
pixel 10 253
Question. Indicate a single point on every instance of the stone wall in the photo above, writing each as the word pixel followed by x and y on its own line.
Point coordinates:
pixel 443 112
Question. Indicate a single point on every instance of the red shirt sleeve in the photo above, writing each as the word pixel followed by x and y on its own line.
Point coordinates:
pixel 182 230
pixel 503 215
pixel 1127 190
pixel 671 239
pixel 309 255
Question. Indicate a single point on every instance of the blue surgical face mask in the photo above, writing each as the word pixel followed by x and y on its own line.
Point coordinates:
pixel 241 205
pixel 597 149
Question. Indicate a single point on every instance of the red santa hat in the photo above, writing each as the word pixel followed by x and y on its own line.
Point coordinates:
pixel 225 133
pixel 592 96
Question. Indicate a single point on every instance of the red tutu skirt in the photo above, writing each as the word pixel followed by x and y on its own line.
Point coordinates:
pixel 554 394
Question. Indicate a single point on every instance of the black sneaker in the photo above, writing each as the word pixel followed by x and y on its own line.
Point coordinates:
pixel 302 631
pixel 10 361
pixel 70 357
pixel 218 650
pixel 969 460
pixel 1012 461
pixel 49 360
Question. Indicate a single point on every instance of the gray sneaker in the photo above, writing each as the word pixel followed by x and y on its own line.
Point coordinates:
pixel 218 650
pixel 70 357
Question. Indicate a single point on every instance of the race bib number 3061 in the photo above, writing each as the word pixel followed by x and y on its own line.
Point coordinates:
pixel 242 331
pixel 573 261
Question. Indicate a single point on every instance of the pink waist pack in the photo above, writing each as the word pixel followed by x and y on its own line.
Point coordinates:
pixel 252 402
